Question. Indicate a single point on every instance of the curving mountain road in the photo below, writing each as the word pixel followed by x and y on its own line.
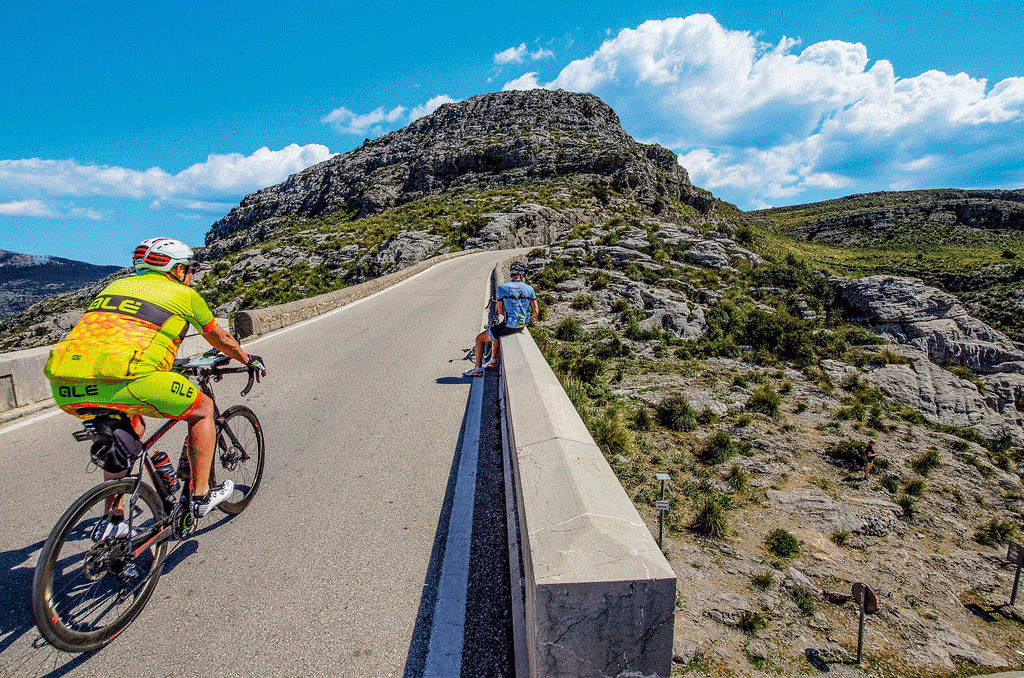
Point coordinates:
pixel 323 575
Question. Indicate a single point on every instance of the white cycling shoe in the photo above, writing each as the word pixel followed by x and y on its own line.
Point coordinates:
pixel 102 531
pixel 216 495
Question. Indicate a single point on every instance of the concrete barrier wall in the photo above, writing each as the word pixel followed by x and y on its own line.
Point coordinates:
pixel 262 320
pixel 599 594
pixel 21 372
pixel 21 378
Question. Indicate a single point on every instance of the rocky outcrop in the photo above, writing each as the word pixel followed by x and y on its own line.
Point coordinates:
pixel 910 312
pixel 526 225
pixel 407 249
pixel 934 329
pixel 863 218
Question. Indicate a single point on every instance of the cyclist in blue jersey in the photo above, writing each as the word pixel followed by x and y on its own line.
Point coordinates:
pixel 518 303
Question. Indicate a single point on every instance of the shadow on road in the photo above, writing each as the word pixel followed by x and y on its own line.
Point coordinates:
pixel 454 380
pixel 38 659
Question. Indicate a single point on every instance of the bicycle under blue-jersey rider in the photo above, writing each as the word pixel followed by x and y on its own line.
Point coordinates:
pixel 518 303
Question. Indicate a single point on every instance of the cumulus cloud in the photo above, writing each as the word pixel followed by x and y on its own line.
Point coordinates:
pixel 378 121
pixel 229 175
pixel 517 55
pixel 523 82
pixel 38 208
pixel 235 173
pixel 349 122
pixel 432 105
pixel 762 120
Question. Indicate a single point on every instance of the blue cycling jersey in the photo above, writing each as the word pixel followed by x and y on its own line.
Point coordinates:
pixel 515 297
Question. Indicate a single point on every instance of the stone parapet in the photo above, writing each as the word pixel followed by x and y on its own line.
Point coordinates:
pixel 21 378
pixel 259 321
pixel 599 594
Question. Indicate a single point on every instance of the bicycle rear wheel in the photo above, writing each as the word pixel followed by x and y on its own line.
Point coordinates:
pixel 87 591
pixel 238 457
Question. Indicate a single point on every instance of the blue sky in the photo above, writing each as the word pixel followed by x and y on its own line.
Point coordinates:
pixel 121 121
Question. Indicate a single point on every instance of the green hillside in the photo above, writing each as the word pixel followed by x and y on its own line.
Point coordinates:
pixel 969 243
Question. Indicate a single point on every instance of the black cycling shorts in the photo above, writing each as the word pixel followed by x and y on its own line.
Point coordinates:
pixel 499 331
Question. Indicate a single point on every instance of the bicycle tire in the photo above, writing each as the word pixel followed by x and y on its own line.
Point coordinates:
pixel 66 586
pixel 243 466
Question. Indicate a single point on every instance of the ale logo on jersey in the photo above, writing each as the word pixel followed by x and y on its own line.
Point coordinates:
pixel 78 391
pixel 126 306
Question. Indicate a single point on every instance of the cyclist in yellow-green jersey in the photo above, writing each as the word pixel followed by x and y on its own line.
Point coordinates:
pixel 119 355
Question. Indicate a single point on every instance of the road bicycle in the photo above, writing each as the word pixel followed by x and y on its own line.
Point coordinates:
pixel 88 587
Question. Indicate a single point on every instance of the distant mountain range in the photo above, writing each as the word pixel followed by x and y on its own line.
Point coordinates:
pixel 28 278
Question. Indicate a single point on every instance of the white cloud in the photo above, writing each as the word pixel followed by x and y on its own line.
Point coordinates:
pixel 432 105
pixel 348 122
pixel 235 173
pixel 774 120
pixel 378 122
pixel 27 208
pixel 31 180
pixel 38 208
pixel 524 81
pixel 517 55
pixel 512 55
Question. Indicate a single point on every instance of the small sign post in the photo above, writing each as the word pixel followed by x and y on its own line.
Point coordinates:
pixel 867 601
pixel 1015 554
pixel 662 506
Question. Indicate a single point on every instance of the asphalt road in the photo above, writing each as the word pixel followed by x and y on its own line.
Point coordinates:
pixel 325 573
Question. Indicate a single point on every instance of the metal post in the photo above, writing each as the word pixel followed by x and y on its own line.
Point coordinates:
pixel 1015 554
pixel 860 635
pixel 867 602
pixel 661 529
pixel 1016 582
pixel 662 506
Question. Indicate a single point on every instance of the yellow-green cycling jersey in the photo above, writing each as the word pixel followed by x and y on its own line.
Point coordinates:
pixel 131 329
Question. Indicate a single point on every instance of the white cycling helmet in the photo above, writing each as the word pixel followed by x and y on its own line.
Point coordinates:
pixel 161 254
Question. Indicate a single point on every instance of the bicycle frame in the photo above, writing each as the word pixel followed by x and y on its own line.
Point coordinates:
pixel 166 529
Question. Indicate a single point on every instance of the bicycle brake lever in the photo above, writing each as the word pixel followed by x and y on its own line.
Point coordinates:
pixel 248 387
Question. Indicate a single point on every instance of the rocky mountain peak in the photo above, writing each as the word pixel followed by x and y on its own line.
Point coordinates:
pixel 488 141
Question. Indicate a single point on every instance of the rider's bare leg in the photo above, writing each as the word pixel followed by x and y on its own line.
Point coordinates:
pixel 482 339
pixel 200 446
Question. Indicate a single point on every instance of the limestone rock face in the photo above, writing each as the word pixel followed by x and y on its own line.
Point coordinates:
pixel 947 208
pixel 934 329
pixel 526 225
pixel 911 312
pixel 407 249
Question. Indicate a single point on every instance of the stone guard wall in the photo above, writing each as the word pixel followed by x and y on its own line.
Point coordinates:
pixel 249 324
pixel 599 594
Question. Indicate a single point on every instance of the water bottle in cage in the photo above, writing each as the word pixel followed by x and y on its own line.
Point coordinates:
pixel 165 470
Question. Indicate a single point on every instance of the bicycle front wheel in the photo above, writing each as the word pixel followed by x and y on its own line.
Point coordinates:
pixel 88 589
pixel 239 457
